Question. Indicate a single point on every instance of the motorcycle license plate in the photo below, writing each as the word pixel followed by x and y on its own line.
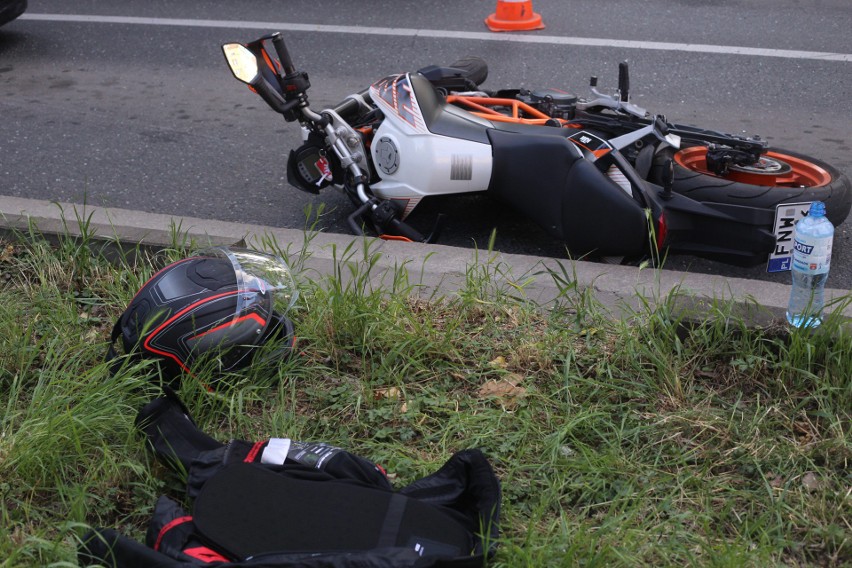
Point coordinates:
pixel 786 216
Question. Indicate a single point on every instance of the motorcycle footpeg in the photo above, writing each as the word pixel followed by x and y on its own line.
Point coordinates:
pixel 436 229
pixel 412 234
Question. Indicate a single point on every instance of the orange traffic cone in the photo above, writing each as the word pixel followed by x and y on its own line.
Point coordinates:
pixel 513 16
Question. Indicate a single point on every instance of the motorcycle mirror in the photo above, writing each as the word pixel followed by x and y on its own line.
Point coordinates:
pixel 242 62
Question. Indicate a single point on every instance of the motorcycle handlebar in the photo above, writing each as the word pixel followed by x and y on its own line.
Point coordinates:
pixel 353 103
pixel 283 54
pixel 272 98
pixel 397 227
pixel 624 81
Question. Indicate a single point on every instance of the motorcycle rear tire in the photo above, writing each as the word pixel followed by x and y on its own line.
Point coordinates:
pixel 814 181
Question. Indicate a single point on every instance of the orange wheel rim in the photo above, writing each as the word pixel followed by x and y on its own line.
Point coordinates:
pixel 772 170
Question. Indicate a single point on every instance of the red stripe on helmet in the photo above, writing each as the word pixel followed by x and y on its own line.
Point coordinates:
pixel 254 317
pixel 175 358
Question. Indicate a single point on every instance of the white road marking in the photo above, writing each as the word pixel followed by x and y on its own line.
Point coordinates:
pixel 445 34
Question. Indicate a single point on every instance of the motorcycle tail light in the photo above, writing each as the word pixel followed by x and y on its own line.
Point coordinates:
pixel 662 231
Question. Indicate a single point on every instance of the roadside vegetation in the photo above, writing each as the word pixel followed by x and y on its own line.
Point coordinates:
pixel 656 438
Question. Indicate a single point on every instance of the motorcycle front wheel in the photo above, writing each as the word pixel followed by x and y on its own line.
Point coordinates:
pixel 780 176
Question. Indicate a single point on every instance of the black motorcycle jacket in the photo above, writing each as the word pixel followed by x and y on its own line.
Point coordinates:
pixel 283 503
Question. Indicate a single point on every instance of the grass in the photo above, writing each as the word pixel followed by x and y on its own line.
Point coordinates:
pixel 648 440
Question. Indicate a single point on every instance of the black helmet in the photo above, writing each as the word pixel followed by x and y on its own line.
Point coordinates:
pixel 219 306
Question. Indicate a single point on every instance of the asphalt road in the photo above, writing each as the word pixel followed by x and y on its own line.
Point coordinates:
pixel 143 114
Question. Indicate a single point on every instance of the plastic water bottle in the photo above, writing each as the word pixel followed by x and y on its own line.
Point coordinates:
pixel 811 260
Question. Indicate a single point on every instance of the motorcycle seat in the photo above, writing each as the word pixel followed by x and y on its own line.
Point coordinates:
pixel 445 119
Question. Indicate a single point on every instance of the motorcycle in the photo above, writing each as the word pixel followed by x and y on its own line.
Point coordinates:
pixel 601 174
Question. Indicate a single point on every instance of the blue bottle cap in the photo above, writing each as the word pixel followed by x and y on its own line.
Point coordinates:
pixel 817 209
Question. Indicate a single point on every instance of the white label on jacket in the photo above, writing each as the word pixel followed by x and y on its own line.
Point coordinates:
pixel 276 451
pixel 812 255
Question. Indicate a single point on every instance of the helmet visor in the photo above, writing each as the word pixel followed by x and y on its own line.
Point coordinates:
pixel 263 280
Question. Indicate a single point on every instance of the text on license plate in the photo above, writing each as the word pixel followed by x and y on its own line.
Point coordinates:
pixel 786 216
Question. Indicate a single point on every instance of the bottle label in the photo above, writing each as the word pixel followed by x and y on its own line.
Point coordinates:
pixel 812 255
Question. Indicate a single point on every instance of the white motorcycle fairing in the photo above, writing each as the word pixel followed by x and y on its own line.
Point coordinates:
pixel 413 162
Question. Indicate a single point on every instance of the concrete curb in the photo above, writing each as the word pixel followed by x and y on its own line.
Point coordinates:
pixel 431 267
